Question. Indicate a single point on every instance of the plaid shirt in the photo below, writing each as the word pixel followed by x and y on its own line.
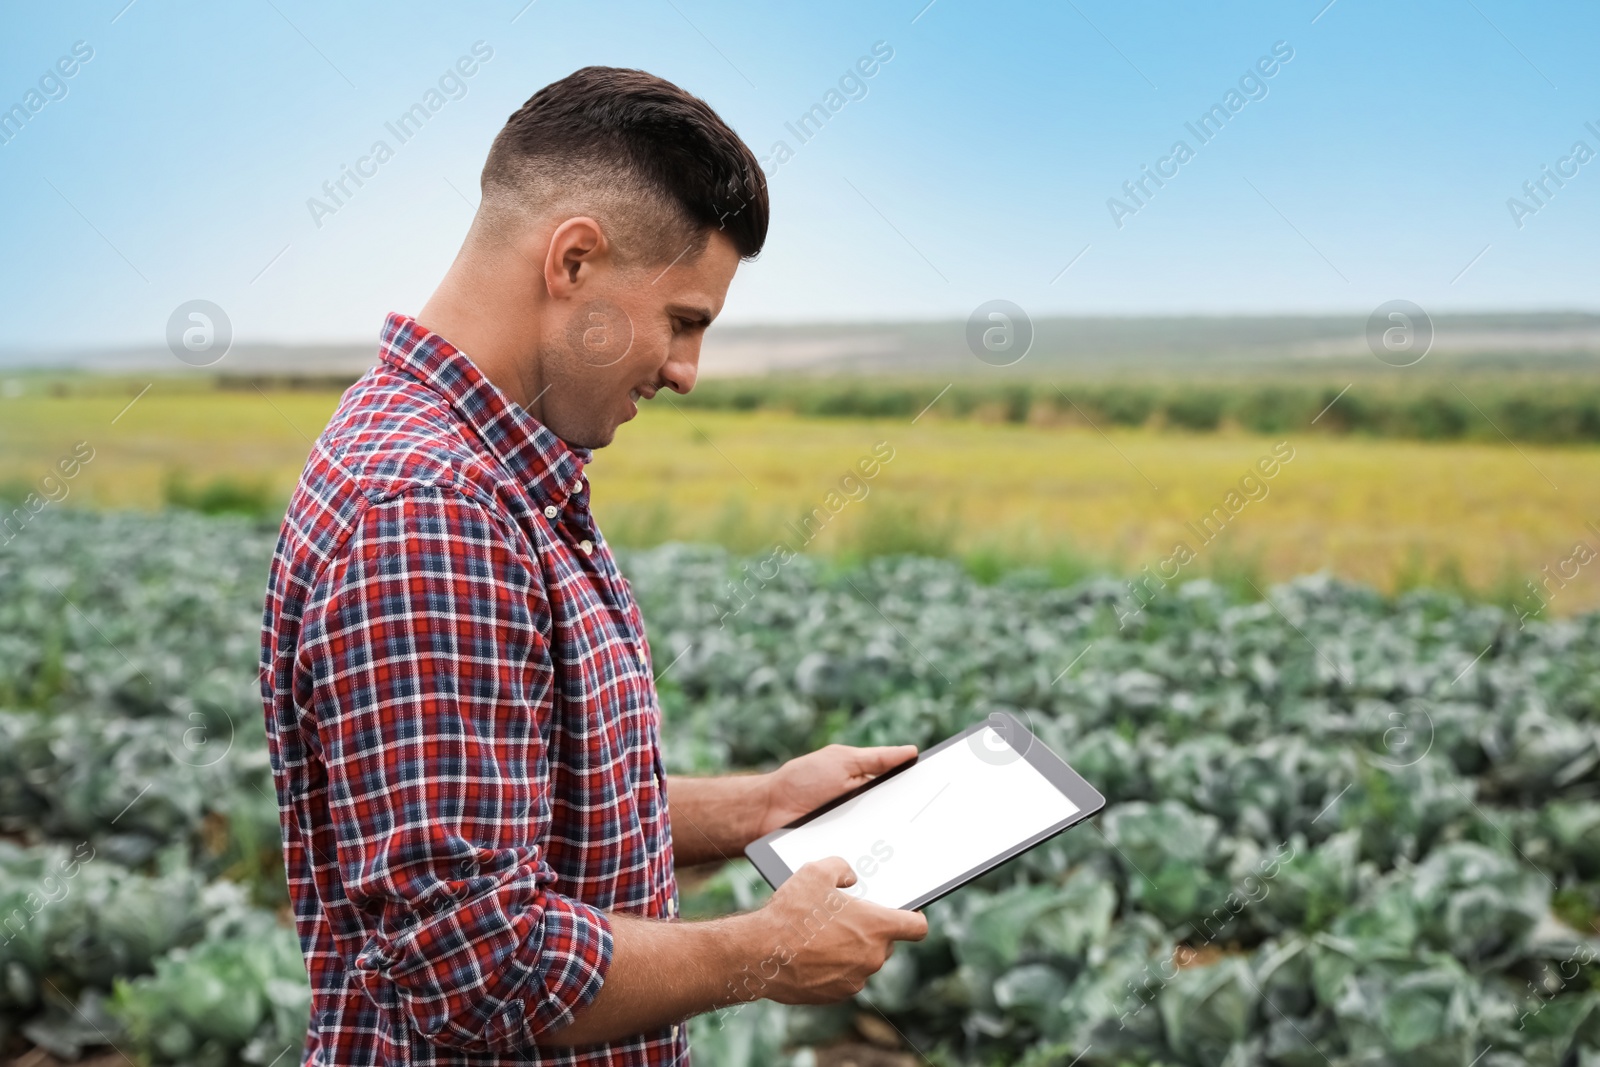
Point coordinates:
pixel 463 727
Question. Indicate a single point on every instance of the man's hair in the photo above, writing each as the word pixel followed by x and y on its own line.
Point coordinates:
pixel 654 165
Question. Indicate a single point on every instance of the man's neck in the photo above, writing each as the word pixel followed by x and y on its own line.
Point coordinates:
pixel 490 315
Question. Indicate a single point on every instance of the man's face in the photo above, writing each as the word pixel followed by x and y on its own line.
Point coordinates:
pixel 626 334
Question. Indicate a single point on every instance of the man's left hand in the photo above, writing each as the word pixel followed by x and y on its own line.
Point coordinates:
pixel 807 782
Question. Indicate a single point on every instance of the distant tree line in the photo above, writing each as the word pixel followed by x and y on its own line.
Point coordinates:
pixel 1554 412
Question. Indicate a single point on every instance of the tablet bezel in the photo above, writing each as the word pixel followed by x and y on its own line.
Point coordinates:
pixel 1055 770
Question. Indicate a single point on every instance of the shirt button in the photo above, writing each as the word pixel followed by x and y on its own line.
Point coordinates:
pixel 577 486
pixel 550 511
pixel 586 547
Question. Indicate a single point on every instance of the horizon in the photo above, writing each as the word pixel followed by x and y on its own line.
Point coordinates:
pixel 1453 316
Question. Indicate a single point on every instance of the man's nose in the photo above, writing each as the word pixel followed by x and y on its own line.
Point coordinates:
pixel 682 368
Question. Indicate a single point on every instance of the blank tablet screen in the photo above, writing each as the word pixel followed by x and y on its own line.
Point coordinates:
pixel 934 822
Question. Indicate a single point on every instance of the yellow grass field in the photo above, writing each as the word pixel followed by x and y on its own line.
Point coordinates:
pixel 1387 512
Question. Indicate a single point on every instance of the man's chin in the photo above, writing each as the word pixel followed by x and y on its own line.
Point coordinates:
pixel 590 437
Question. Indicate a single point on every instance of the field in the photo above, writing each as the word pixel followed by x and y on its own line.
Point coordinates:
pixel 1342 829
pixel 1348 823
pixel 1477 515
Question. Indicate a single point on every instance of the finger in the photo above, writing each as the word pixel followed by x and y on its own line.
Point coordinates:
pixel 908 925
pixel 883 758
pixel 834 870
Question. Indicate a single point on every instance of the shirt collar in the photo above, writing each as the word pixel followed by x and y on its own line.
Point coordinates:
pixel 550 468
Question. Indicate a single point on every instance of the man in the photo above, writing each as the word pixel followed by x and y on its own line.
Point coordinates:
pixel 460 706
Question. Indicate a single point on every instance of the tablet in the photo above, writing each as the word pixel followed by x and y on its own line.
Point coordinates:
pixel 933 824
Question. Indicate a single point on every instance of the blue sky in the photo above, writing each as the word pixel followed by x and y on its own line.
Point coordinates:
pixel 179 162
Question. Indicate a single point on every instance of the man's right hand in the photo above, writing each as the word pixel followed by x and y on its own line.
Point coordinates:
pixel 812 943
pixel 826 943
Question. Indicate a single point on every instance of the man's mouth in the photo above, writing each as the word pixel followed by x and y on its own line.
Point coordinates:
pixel 643 392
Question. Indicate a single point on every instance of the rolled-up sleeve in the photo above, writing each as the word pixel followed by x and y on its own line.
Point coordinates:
pixel 429 662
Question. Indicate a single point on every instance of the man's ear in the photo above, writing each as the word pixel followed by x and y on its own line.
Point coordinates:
pixel 577 247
